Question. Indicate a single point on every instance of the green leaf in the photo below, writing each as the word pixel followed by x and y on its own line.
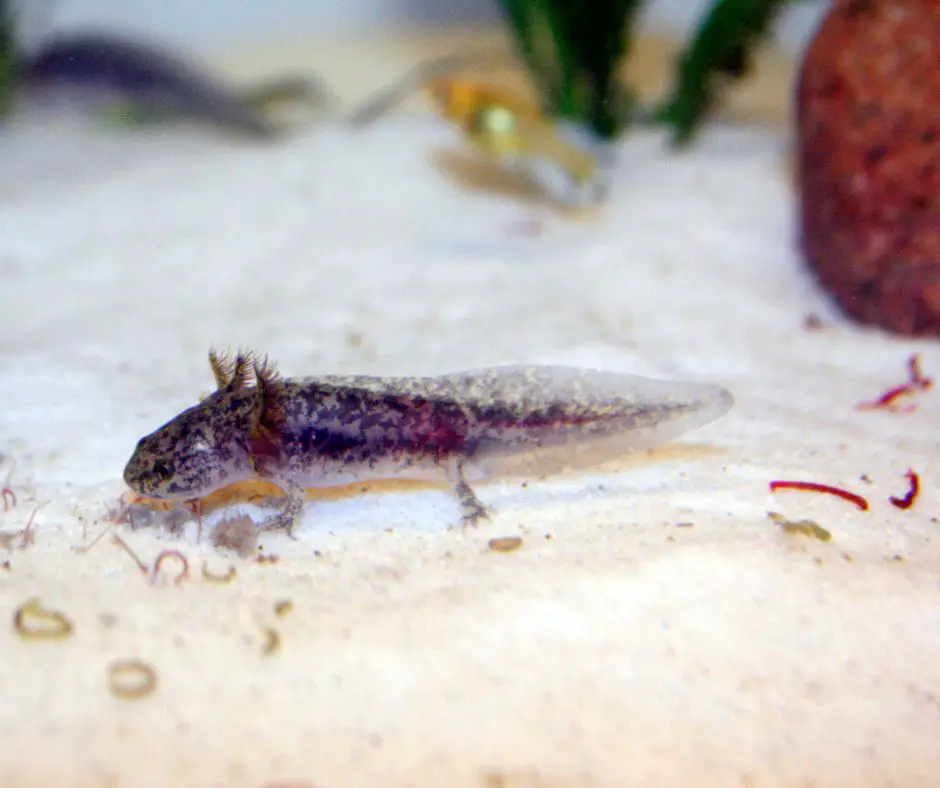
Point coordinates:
pixel 574 49
pixel 7 56
pixel 721 47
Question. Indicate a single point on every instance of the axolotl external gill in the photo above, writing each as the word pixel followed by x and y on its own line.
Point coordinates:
pixel 331 430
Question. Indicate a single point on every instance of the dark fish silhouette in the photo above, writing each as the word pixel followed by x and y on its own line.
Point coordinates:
pixel 156 81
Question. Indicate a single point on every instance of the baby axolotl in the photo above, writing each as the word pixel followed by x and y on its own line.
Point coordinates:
pixel 331 430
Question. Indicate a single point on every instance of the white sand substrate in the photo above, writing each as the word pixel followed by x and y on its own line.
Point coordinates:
pixel 615 647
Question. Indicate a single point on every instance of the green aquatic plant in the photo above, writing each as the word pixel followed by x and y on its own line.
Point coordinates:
pixel 719 51
pixel 7 56
pixel 574 50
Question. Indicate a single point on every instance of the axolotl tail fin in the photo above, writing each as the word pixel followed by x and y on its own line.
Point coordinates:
pixel 562 418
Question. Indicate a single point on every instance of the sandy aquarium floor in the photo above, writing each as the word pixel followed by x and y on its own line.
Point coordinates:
pixel 654 628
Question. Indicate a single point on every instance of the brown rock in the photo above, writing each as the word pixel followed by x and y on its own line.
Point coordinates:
pixel 868 109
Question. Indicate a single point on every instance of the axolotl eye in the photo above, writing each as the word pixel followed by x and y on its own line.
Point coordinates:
pixel 163 469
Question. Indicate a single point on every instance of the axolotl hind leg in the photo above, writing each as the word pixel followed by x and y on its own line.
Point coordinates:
pixel 472 509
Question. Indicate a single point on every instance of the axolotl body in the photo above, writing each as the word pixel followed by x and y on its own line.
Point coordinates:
pixel 329 430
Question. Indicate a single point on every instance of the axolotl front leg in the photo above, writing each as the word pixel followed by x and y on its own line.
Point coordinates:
pixel 291 508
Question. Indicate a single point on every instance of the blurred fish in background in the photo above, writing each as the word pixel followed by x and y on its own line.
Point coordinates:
pixel 564 141
pixel 132 82
pixel 515 133
pixel 574 54
pixel 508 128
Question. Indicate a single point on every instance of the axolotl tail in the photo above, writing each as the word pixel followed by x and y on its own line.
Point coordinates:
pixel 540 420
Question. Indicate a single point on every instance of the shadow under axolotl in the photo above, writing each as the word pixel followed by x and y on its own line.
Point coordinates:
pixel 259 491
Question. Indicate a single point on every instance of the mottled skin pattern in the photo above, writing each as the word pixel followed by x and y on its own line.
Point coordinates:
pixel 318 431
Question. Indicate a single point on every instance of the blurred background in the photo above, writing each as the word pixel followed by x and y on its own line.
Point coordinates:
pixel 203 21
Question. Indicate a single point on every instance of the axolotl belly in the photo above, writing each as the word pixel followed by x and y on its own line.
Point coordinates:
pixel 329 430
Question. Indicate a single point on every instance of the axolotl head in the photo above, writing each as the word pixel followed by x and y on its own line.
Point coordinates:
pixel 203 449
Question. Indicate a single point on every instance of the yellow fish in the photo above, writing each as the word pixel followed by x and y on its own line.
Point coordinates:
pixel 513 132
pixel 564 160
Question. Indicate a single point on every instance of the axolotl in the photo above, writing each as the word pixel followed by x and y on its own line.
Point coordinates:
pixel 330 430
